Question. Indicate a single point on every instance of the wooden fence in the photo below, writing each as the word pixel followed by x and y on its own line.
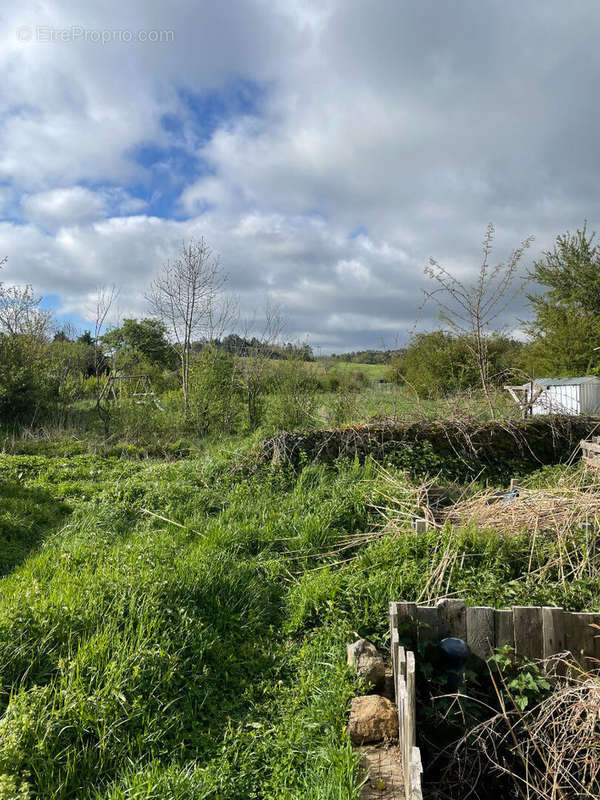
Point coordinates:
pixel 534 632
pixel 403 665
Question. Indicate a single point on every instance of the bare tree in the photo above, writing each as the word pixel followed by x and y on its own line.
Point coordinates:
pixel 186 298
pixel 257 359
pixel 103 302
pixel 470 310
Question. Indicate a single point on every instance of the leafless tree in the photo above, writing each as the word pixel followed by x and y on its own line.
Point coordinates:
pixel 471 309
pixel 103 302
pixel 187 298
pixel 257 359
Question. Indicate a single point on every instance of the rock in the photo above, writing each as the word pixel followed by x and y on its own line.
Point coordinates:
pixel 368 662
pixel 372 719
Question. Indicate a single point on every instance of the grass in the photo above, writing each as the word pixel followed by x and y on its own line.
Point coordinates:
pixel 373 372
pixel 205 657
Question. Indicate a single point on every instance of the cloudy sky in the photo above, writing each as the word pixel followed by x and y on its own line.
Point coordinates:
pixel 324 149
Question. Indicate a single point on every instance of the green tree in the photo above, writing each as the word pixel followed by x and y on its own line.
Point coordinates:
pixel 215 391
pixel 68 364
pixel 147 337
pixel 86 338
pixel 435 364
pixel 25 381
pixel 566 328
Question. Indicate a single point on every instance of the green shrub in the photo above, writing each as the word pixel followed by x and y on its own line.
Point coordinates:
pixel 293 398
pixel 215 392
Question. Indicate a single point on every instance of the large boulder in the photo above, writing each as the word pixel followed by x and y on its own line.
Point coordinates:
pixel 372 719
pixel 368 662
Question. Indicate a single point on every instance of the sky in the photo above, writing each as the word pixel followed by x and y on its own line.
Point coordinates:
pixel 325 150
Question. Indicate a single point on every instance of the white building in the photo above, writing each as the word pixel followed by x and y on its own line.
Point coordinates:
pixel 562 395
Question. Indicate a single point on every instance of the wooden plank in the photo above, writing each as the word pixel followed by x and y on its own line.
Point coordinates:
pixel 401 656
pixel 504 631
pixel 410 692
pixel 580 636
pixel 480 631
pixel 401 705
pixel 553 631
pixel 529 640
pixel 393 618
pixel 596 636
pixel 394 647
pixel 452 618
pixel 415 791
pixel 429 628
pixel 407 617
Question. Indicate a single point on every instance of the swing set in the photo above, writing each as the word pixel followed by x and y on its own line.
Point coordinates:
pixel 143 391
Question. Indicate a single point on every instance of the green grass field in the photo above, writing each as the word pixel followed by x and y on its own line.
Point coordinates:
pixel 373 372
pixel 178 630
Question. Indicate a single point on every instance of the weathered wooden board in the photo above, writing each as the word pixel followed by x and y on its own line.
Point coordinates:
pixel 529 638
pixel 480 631
pixel 402 706
pixel 452 618
pixel 393 618
pixel 580 637
pixel 394 647
pixel 429 626
pixel 504 629
pixel 407 617
pixel 553 630
pixel 534 632
pixel 415 791
pixel 410 692
pixel 401 661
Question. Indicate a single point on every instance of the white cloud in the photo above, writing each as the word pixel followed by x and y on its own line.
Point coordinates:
pixel 56 207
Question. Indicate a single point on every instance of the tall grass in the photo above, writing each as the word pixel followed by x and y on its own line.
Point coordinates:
pixel 197 651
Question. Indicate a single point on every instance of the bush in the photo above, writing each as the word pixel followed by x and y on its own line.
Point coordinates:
pixel 293 401
pixel 215 392
pixel 26 387
pixel 437 363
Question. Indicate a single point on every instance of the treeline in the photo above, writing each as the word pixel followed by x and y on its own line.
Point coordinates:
pixel 254 347
pixel 365 356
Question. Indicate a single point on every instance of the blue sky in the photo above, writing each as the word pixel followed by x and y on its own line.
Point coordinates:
pixel 325 150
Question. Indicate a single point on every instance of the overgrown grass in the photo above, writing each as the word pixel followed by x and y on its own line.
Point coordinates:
pixel 200 653
pixel 147 431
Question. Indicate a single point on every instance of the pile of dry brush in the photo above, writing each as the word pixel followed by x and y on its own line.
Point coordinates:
pixel 549 752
